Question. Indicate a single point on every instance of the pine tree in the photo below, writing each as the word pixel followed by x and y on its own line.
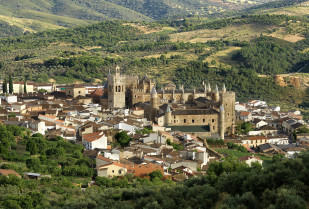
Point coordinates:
pixel 25 87
pixel 10 85
pixel 5 86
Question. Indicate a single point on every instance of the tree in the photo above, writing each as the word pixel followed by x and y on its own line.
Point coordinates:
pixel 123 138
pixel 25 87
pixel 156 174
pixel 31 147
pixel 246 127
pixel 10 85
pixel 33 163
pixel 5 86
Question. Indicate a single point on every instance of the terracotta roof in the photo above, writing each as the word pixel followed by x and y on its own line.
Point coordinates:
pixel 98 92
pixel 244 113
pixel 113 163
pixel 92 137
pixel 104 158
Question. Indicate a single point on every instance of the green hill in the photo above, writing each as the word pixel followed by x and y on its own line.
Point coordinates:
pixel 38 15
pixel 245 51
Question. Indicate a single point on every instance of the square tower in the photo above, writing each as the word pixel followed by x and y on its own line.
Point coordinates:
pixel 116 90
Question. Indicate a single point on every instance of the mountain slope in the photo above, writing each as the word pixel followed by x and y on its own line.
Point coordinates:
pixel 33 14
pixel 70 13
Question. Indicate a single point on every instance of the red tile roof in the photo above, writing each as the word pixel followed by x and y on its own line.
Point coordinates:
pixel 113 163
pixel 92 137
pixel 104 158
pixel 98 92
pixel 244 113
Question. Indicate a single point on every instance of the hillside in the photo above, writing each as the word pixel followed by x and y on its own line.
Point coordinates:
pixel 38 15
pixel 245 52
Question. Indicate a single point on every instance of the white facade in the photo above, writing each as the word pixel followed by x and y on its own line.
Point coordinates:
pixel 260 124
pixel 113 155
pixel 38 127
pixel 254 133
pixel 18 107
pixel 100 143
pixel 278 141
pixel 125 127
pixel 154 138
pixel 240 107
pixel 10 99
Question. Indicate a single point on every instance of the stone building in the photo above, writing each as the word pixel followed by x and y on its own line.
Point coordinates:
pixel 116 90
pixel 204 111
pixel 75 90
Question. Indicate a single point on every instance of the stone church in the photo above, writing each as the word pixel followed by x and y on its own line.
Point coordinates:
pixel 205 112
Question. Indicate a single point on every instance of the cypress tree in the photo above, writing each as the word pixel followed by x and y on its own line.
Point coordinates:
pixel 10 85
pixel 25 87
pixel 5 86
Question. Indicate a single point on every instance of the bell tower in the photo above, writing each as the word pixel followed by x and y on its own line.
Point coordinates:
pixel 116 90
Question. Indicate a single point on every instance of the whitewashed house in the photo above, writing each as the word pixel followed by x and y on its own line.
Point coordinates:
pixel 95 140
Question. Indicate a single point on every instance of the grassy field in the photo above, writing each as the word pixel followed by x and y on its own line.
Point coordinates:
pixel 238 154
pixel 147 29
pixel 301 9
pixel 224 56
pixel 240 32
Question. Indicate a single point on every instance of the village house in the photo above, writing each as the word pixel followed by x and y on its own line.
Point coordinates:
pixel 254 141
pixel 245 116
pixel 142 170
pixel 95 140
pixel 9 98
pixel 154 138
pixel 258 123
pixel 292 151
pixel 75 90
pixel 239 107
pixel 112 169
pixel 268 130
pixel 278 140
pixel 251 159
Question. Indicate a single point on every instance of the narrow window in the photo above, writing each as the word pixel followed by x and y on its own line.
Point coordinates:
pixel 192 120
pixel 184 120
pixel 213 127
pixel 204 120
pixel 213 120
